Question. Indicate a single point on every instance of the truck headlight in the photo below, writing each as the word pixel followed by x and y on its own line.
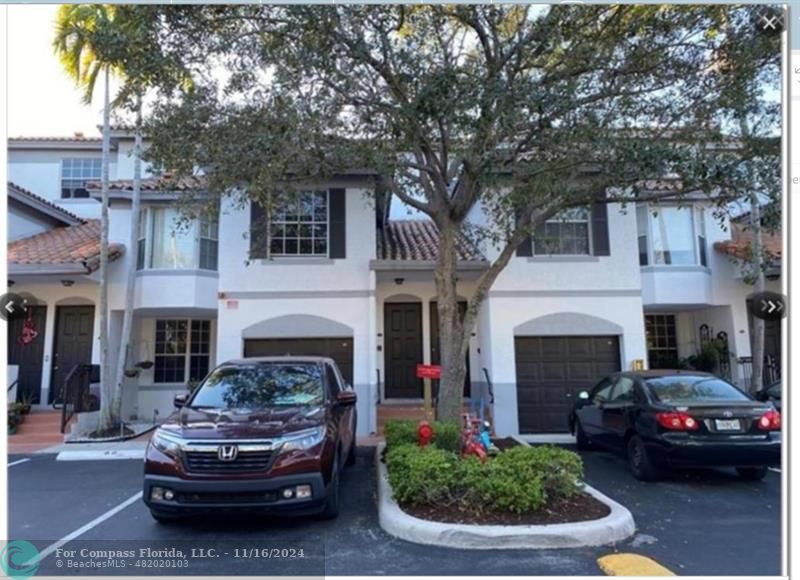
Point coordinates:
pixel 305 439
pixel 166 443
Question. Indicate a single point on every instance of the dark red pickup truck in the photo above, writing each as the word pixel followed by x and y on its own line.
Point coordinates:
pixel 267 434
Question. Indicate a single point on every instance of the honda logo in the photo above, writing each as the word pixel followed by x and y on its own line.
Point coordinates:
pixel 227 452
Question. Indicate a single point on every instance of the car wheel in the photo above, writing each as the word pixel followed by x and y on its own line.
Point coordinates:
pixel 331 509
pixel 581 440
pixel 163 518
pixel 351 455
pixel 640 462
pixel 752 473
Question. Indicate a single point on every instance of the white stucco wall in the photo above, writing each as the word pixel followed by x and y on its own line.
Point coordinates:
pixel 22 224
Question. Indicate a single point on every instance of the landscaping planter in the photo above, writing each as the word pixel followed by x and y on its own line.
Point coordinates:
pixel 612 528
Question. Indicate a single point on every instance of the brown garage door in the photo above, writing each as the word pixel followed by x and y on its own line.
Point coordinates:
pixel 552 370
pixel 339 349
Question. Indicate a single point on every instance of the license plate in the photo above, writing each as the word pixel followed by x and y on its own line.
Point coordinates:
pixel 728 424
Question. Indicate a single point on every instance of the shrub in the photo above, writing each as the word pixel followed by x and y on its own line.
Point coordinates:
pixel 559 470
pixel 446 435
pixel 421 474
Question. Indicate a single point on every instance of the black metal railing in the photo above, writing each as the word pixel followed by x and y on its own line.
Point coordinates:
pixel 771 372
pixel 12 385
pixel 76 394
pixel 378 387
pixel 489 385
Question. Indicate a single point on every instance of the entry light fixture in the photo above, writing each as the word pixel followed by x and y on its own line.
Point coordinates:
pixel 399 281
pixel 67 283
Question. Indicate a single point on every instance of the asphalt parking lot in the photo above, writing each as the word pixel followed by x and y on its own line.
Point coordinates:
pixel 694 523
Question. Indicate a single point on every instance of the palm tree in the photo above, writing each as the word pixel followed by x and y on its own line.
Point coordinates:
pixel 80 29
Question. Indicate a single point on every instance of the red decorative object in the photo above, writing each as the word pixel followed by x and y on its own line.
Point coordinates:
pixel 424 433
pixel 471 443
pixel 29 332
pixel 429 371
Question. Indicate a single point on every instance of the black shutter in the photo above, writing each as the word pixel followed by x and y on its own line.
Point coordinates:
pixel 336 209
pixel 600 241
pixel 258 231
pixel 525 249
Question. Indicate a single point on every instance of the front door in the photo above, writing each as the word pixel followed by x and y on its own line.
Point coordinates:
pixel 435 345
pixel 26 350
pixel 402 349
pixel 73 344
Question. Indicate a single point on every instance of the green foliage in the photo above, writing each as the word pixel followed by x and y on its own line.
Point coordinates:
pixel 446 434
pixel 518 480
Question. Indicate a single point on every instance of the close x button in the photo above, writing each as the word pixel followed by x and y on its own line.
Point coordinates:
pixel 768 305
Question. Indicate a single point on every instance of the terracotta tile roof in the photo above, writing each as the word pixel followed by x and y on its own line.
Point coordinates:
pixel 418 240
pixel 741 242
pixel 76 137
pixel 27 195
pixel 70 245
pixel 164 183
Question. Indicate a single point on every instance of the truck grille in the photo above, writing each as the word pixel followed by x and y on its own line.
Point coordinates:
pixel 209 462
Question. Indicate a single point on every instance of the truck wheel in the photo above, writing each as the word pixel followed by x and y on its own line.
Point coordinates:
pixel 332 498
pixel 752 473
pixel 640 462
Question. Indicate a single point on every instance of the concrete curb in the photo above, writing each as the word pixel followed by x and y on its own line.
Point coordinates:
pixel 99 454
pixel 613 528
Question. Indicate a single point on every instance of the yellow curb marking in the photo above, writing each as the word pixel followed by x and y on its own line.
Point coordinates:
pixel 631 565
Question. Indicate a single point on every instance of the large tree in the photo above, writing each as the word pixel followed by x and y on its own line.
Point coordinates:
pixel 523 111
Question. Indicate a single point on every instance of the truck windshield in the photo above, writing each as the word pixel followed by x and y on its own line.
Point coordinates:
pixel 261 386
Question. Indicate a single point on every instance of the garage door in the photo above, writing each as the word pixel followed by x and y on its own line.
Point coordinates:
pixel 552 370
pixel 339 349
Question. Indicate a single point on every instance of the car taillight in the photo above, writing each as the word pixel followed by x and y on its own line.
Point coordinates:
pixel 677 421
pixel 770 421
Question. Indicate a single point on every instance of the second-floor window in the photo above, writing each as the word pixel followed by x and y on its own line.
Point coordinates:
pixel 168 242
pixel 299 225
pixel 671 236
pixel 75 173
pixel 566 234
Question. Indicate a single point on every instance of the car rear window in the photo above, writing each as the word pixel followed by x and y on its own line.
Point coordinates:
pixel 261 386
pixel 688 389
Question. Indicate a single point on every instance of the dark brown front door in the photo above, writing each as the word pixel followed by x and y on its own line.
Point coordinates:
pixel 339 349
pixel 435 346
pixel 28 355
pixel 552 370
pixel 73 344
pixel 402 349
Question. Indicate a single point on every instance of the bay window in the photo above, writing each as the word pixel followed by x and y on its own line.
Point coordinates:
pixel 167 241
pixel 671 236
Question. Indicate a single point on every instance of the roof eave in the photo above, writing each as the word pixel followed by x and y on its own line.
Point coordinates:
pixel 43 208
pixel 46 269
pixel 424 265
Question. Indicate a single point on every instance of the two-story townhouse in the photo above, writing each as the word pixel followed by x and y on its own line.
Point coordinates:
pixel 612 288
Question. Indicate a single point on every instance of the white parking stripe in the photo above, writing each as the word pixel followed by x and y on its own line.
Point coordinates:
pixel 775 469
pixel 83 529
pixel 18 461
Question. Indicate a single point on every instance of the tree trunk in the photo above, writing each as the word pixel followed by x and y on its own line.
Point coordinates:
pixel 127 317
pixel 453 339
pixel 107 419
pixel 757 338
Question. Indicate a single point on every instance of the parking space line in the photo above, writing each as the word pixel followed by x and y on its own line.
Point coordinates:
pixel 631 565
pixel 85 528
pixel 18 461
pixel 775 469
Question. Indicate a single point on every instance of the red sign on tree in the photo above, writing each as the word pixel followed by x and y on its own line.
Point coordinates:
pixel 429 371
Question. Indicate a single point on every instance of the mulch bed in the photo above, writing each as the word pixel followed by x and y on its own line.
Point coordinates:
pixel 505 443
pixel 579 508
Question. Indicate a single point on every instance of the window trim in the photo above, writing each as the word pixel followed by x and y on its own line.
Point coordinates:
pixel 298 255
pixel 150 224
pixel 589 235
pixel 188 353
pixel 61 175
pixel 662 349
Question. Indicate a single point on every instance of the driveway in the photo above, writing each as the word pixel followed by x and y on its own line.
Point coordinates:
pixel 687 524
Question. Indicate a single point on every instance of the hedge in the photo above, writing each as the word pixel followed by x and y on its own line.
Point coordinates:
pixel 446 434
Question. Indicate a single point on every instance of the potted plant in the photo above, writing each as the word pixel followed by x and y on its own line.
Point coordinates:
pixel 145 364
pixel 131 372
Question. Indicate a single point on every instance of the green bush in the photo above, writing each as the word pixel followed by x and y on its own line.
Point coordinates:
pixel 518 480
pixel 446 435
pixel 421 474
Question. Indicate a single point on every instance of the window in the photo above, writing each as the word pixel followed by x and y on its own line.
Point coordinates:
pixel 208 242
pixel 182 350
pixel 623 391
pixel 566 234
pixel 701 235
pixel 662 341
pixel 333 380
pixel 602 390
pixel 299 226
pixel 141 244
pixel 75 173
pixel 641 226
pixel 689 389
pixel 173 242
pixel 672 235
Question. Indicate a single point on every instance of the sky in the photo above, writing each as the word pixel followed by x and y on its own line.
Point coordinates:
pixel 42 99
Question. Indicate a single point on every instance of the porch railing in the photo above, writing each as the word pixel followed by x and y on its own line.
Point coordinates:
pixel 772 371
pixel 76 395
